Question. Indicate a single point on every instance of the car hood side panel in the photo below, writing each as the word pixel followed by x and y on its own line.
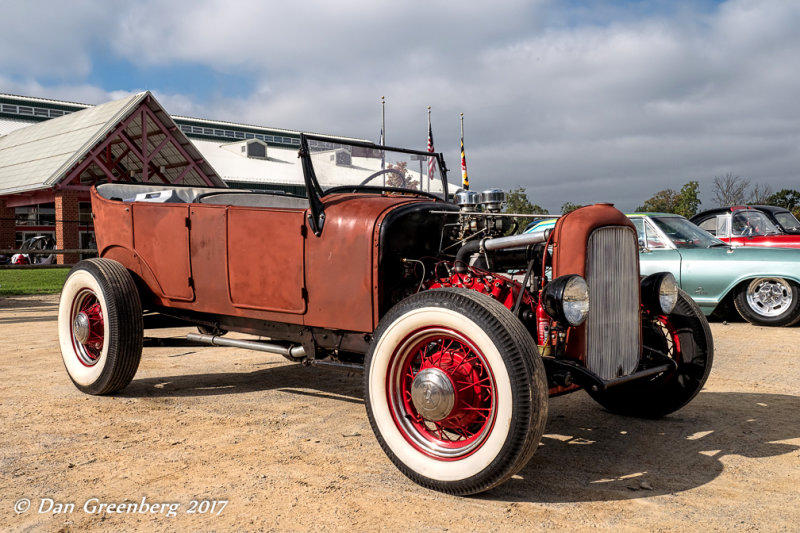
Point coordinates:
pixel 341 264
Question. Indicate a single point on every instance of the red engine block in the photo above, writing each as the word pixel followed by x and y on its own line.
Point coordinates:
pixel 500 288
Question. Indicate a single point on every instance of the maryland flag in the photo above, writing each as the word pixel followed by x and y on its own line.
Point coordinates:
pixel 464 178
pixel 431 160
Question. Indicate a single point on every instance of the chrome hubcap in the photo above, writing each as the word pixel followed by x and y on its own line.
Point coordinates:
pixel 80 327
pixel 433 394
pixel 769 296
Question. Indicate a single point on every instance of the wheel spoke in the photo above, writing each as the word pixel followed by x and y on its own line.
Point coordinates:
pixel 465 424
pixel 476 384
pixel 88 324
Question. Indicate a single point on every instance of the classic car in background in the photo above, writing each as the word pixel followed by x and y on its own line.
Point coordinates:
pixel 747 226
pixel 763 283
pixel 376 270
pixel 38 243
pixel 781 217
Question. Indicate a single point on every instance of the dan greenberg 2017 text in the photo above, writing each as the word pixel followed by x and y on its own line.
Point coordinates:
pixel 143 506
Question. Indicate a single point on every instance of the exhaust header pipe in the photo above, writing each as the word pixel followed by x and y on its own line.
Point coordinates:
pixel 499 243
pixel 515 241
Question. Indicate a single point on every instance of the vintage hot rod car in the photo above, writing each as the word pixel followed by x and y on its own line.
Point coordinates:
pixel 460 331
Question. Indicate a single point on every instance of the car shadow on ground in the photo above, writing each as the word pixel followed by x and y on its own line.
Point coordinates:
pixel 286 377
pixel 631 458
pixel 42 302
pixel 587 454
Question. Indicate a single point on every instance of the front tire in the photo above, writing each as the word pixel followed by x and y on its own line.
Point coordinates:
pixel 455 390
pixel 100 326
pixel 769 302
pixel 685 336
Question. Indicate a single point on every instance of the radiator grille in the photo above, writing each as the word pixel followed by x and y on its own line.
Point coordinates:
pixel 612 327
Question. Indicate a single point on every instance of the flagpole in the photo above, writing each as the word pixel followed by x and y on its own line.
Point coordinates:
pixel 383 136
pixel 429 148
pixel 464 178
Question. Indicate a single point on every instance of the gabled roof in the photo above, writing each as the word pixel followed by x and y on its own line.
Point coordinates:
pixel 40 156
pixel 7 125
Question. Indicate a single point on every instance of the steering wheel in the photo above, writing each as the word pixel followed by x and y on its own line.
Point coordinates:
pixel 384 171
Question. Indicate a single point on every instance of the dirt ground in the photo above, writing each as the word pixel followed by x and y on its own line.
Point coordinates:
pixel 289 448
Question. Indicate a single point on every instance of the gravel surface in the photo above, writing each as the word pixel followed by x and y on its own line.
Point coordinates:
pixel 289 447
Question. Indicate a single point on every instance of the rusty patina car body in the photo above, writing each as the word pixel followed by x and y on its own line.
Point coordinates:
pixel 462 331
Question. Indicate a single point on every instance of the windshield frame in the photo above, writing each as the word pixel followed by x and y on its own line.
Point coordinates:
pixel 309 172
pixel 315 192
pixel 656 221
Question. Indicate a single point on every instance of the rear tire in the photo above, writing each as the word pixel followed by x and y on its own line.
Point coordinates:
pixel 769 302
pixel 100 326
pixel 685 336
pixel 455 390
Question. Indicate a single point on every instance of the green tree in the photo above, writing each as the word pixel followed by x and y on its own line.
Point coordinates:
pixel 660 202
pixel 569 207
pixel 517 202
pixel 788 198
pixel 684 202
pixel 687 202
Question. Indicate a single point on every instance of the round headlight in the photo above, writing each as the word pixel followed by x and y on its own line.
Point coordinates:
pixel 566 299
pixel 660 292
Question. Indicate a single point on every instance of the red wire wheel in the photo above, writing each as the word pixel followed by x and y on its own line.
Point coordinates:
pixel 442 393
pixel 87 327
pixel 455 390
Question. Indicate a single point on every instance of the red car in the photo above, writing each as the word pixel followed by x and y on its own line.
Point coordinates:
pixel 462 333
pixel 745 226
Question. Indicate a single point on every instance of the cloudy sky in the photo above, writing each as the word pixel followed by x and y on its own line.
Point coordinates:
pixel 578 101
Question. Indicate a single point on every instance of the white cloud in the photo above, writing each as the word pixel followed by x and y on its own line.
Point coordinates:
pixel 53 40
pixel 578 104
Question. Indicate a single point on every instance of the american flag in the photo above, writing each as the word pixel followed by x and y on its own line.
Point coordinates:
pixel 431 160
pixel 464 178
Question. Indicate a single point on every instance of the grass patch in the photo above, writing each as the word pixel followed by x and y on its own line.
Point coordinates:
pixel 32 281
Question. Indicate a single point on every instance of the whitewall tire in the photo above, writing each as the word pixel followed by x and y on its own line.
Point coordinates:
pixel 455 389
pixel 100 326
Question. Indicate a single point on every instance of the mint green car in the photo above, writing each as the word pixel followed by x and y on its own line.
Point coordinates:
pixel 764 283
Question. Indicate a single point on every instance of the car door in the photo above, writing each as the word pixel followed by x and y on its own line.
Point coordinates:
pixel 265 258
pixel 161 241
pixel 705 273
